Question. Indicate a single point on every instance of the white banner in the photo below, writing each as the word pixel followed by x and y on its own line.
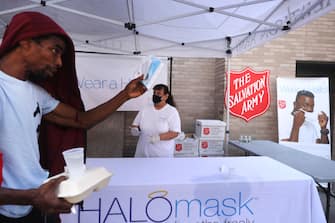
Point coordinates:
pixel 192 204
pixel 309 132
pixel 195 190
pixel 102 76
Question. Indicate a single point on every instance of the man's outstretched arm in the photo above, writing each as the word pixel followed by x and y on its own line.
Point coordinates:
pixel 68 116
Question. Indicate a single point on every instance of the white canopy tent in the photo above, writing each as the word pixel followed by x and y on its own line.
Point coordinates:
pixel 196 28
pixel 174 28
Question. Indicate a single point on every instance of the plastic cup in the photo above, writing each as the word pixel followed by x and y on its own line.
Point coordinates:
pixel 74 159
pixel 227 171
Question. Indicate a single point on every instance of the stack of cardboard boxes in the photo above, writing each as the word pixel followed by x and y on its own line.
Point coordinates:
pixel 210 134
pixel 208 140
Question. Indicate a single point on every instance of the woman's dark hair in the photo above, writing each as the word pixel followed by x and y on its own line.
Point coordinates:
pixel 165 88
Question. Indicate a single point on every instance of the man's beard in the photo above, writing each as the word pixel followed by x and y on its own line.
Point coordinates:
pixel 36 76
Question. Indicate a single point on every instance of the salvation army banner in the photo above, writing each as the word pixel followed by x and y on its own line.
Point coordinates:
pixel 308 97
pixel 102 76
pixel 249 94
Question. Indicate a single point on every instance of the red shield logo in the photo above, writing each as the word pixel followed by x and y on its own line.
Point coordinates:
pixel 206 131
pixel 204 145
pixel 179 147
pixel 249 94
pixel 281 104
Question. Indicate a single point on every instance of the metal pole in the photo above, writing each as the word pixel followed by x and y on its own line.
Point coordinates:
pixel 228 52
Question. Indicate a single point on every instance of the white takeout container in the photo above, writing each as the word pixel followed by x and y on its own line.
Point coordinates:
pixel 77 189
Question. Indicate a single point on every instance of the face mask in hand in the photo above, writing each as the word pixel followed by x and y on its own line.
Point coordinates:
pixel 156 99
pixel 310 116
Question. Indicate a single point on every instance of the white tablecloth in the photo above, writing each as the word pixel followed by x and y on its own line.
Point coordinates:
pixel 194 190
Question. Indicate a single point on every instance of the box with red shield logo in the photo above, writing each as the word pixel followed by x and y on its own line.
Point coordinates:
pixel 211 146
pixel 187 147
pixel 208 128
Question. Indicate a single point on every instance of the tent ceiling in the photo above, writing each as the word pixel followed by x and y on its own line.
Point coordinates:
pixel 203 28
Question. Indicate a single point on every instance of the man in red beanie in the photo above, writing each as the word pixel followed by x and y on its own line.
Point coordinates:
pixel 36 52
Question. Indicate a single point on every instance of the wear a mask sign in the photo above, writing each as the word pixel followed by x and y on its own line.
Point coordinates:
pixel 102 76
pixel 303 114
pixel 249 94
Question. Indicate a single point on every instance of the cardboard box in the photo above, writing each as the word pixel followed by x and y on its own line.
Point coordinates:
pixel 187 146
pixel 207 128
pixel 211 146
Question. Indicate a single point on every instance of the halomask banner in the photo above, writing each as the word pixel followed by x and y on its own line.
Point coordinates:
pixel 303 114
pixel 102 76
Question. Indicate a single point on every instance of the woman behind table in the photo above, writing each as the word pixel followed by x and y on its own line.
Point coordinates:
pixel 157 125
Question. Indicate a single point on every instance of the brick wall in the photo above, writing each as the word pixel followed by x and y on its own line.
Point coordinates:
pixel 194 86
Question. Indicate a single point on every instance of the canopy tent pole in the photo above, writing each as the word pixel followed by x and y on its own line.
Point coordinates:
pixel 228 53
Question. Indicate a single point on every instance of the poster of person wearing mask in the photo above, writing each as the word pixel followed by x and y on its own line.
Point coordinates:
pixel 303 114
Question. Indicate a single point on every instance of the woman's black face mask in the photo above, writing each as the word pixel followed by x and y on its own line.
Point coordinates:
pixel 156 99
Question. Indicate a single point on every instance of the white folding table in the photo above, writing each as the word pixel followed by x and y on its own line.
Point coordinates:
pixel 190 190
pixel 322 170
